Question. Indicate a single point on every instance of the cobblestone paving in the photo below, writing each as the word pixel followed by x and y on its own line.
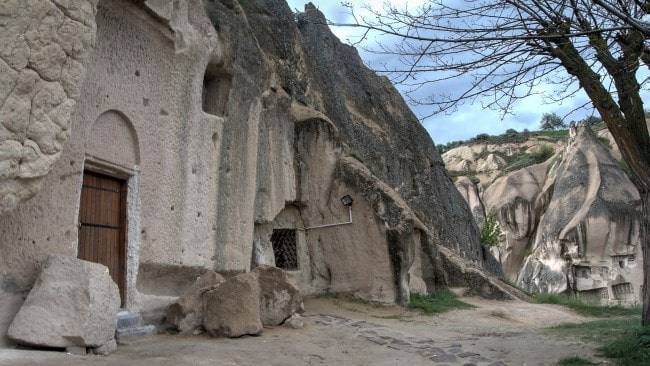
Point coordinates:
pixel 448 354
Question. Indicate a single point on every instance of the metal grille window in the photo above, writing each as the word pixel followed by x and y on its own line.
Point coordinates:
pixel 284 248
pixel 622 291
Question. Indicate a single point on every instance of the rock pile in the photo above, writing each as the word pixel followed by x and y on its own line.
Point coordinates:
pixel 237 306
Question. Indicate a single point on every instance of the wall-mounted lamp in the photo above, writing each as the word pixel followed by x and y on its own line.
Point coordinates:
pixel 347 202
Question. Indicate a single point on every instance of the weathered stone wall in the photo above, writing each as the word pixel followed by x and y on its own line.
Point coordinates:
pixel 228 118
pixel 43 44
pixel 144 90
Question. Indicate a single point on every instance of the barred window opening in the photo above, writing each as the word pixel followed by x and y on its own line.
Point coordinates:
pixel 284 248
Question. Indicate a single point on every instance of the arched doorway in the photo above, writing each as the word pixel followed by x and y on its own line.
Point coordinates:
pixel 109 184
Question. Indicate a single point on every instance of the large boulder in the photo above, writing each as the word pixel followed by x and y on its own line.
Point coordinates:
pixel 279 298
pixel 186 314
pixel 73 303
pixel 233 308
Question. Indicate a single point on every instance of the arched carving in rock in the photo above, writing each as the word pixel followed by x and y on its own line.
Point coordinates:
pixel 113 139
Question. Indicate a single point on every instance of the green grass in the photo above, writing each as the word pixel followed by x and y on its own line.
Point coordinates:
pixel 586 309
pixel 623 339
pixel 524 160
pixel 437 303
pixel 574 361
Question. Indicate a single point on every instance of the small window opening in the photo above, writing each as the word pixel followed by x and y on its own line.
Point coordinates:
pixel 622 291
pixel 216 91
pixel 284 248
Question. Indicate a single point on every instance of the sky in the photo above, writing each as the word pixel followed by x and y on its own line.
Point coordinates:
pixel 469 120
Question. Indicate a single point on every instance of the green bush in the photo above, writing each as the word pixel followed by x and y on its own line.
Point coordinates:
pixel 490 230
pixel 437 303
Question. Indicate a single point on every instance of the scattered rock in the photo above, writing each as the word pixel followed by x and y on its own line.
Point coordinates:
pixel 444 357
pixel 73 303
pixel 279 298
pixel 186 314
pixel 106 349
pixel 295 322
pixel 233 308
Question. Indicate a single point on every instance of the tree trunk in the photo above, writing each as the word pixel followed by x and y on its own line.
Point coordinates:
pixel 645 246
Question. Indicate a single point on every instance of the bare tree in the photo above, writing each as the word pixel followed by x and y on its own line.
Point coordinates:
pixel 507 48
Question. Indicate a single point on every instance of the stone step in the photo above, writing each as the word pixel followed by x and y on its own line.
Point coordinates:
pixel 140 331
pixel 127 319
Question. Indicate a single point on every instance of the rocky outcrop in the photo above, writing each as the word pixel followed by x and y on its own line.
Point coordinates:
pixel 229 120
pixel 279 298
pixel 73 303
pixel 186 314
pixel 569 223
pixel 588 238
pixel 517 200
pixel 233 308
pixel 469 191
pixel 43 45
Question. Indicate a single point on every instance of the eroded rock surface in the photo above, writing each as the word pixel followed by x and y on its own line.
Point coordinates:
pixel 588 239
pixel 73 303
pixel 43 44
pixel 233 308
pixel 569 223
pixel 279 298
pixel 186 314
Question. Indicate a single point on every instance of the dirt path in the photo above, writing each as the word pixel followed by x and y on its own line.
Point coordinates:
pixel 348 333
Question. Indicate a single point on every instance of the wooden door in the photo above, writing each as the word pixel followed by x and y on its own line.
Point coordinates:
pixel 102 215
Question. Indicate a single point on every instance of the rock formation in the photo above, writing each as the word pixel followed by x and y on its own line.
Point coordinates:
pixel 43 46
pixel 279 298
pixel 569 224
pixel 186 314
pixel 230 130
pixel 233 308
pixel 72 304
pixel 588 237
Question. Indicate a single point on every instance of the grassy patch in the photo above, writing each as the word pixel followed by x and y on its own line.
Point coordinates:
pixel 437 303
pixel 622 339
pixel 524 160
pixel 574 361
pixel 586 309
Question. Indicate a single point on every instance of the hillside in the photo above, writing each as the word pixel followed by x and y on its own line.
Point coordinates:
pixel 567 213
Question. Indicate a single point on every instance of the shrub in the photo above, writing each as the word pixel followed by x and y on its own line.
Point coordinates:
pixel 490 231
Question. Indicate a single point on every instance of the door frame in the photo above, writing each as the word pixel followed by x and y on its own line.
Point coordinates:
pixel 130 225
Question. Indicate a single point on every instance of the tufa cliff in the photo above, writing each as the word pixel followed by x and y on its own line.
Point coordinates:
pixel 222 135
pixel 568 216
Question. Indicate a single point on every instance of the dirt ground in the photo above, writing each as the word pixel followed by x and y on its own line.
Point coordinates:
pixel 343 333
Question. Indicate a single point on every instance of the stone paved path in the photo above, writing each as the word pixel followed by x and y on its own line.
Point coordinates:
pixel 450 354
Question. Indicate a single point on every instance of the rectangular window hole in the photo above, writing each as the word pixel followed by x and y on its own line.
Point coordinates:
pixel 216 91
pixel 285 249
